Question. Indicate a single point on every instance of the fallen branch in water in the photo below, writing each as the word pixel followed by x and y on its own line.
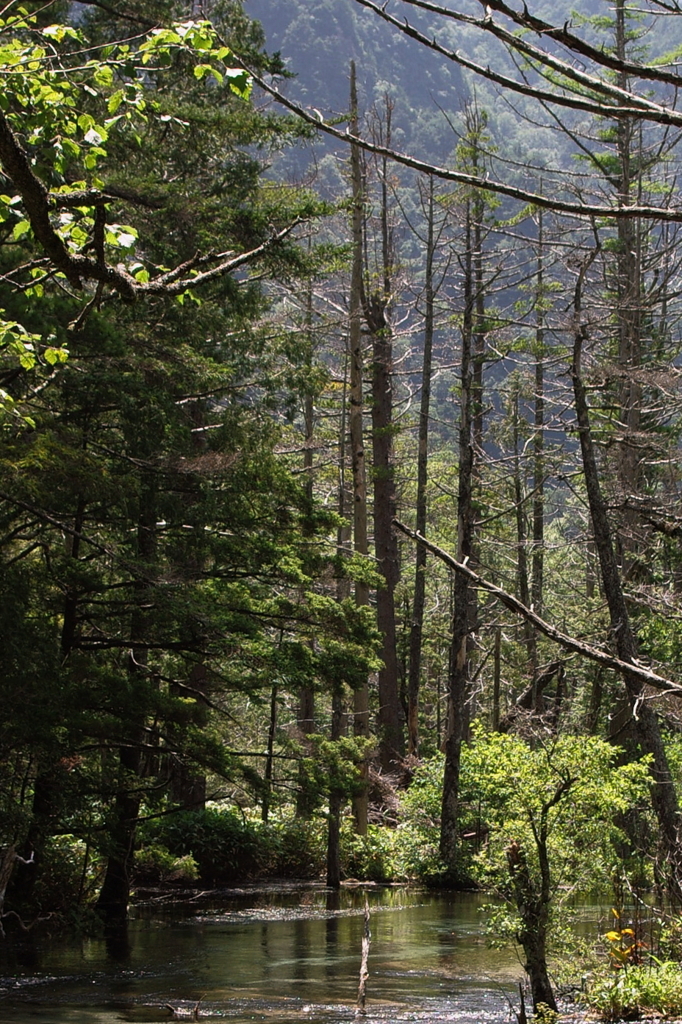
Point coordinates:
pixel 179 1013
pixel 364 972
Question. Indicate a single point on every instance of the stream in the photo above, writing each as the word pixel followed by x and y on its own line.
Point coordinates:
pixel 269 953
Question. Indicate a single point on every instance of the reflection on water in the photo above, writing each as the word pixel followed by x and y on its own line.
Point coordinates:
pixel 264 954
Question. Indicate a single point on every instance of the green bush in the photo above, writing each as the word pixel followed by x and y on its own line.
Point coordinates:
pixel 627 994
pixel 227 846
pixel 670 940
pixel 297 847
pixel 70 875
pixel 371 858
pixel 419 831
pixel 155 865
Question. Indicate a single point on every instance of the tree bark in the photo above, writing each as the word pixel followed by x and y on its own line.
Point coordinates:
pixel 360 544
pixel 343 538
pixel 47 787
pixel 375 302
pixel 417 624
pixel 538 545
pixel 305 797
pixel 269 760
pixel 458 681
pixel 114 896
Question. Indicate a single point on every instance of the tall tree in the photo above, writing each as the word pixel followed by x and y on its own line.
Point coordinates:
pixel 361 724
pixel 459 670
pixel 377 294
pixel 192 547
pixel 645 722
pixel 433 233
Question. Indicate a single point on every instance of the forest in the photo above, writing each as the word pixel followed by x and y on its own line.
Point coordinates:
pixel 340 464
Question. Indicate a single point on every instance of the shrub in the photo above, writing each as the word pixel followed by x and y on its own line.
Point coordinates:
pixel 297 847
pixel 70 874
pixel 372 857
pixel 226 847
pixel 156 865
pixel 626 994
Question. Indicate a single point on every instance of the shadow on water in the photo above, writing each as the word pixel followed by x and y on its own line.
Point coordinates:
pixel 269 954
pixel 117 943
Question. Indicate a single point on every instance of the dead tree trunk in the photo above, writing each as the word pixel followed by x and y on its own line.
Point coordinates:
pixel 459 650
pixel 305 797
pixel 645 722
pixel 376 299
pixel 343 538
pixel 360 545
pixel 417 624
pixel 538 545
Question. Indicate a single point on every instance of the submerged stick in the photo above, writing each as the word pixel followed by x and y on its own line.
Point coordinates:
pixel 364 973
pixel 521 1015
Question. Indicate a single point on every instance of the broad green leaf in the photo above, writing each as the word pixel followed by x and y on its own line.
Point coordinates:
pixel 61 32
pixel 56 355
pixel 104 76
pixel 115 101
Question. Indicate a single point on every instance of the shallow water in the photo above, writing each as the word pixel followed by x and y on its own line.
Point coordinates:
pixel 274 955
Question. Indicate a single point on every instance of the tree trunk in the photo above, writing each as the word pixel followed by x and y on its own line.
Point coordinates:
pixel 645 722
pixel 522 575
pixel 269 760
pixel 343 538
pixel 305 797
pixel 533 907
pixel 112 903
pixel 375 306
pixel 360 544
pixel 628 312
pixel 538 546
pixel 335 806
pixel 47 788
pixel 497 675
pixel 187 786
pixel 417 624
pixel 458 690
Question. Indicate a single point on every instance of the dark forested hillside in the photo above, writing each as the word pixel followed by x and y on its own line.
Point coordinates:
pixel 317 40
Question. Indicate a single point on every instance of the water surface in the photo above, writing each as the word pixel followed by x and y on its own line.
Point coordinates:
pixel 270 954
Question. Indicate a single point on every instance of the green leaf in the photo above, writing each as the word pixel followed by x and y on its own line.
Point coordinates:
pixel 140 273
pixel 104 76
pixel 27 359
pixel 55 355
pixel 61 32
pixel 96 135
pixel 240 82
pixel 20 229
pixel 115 101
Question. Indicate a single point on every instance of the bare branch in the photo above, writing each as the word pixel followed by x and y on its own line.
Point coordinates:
pixel 621 102
pixel 633 669
pixel 535 199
